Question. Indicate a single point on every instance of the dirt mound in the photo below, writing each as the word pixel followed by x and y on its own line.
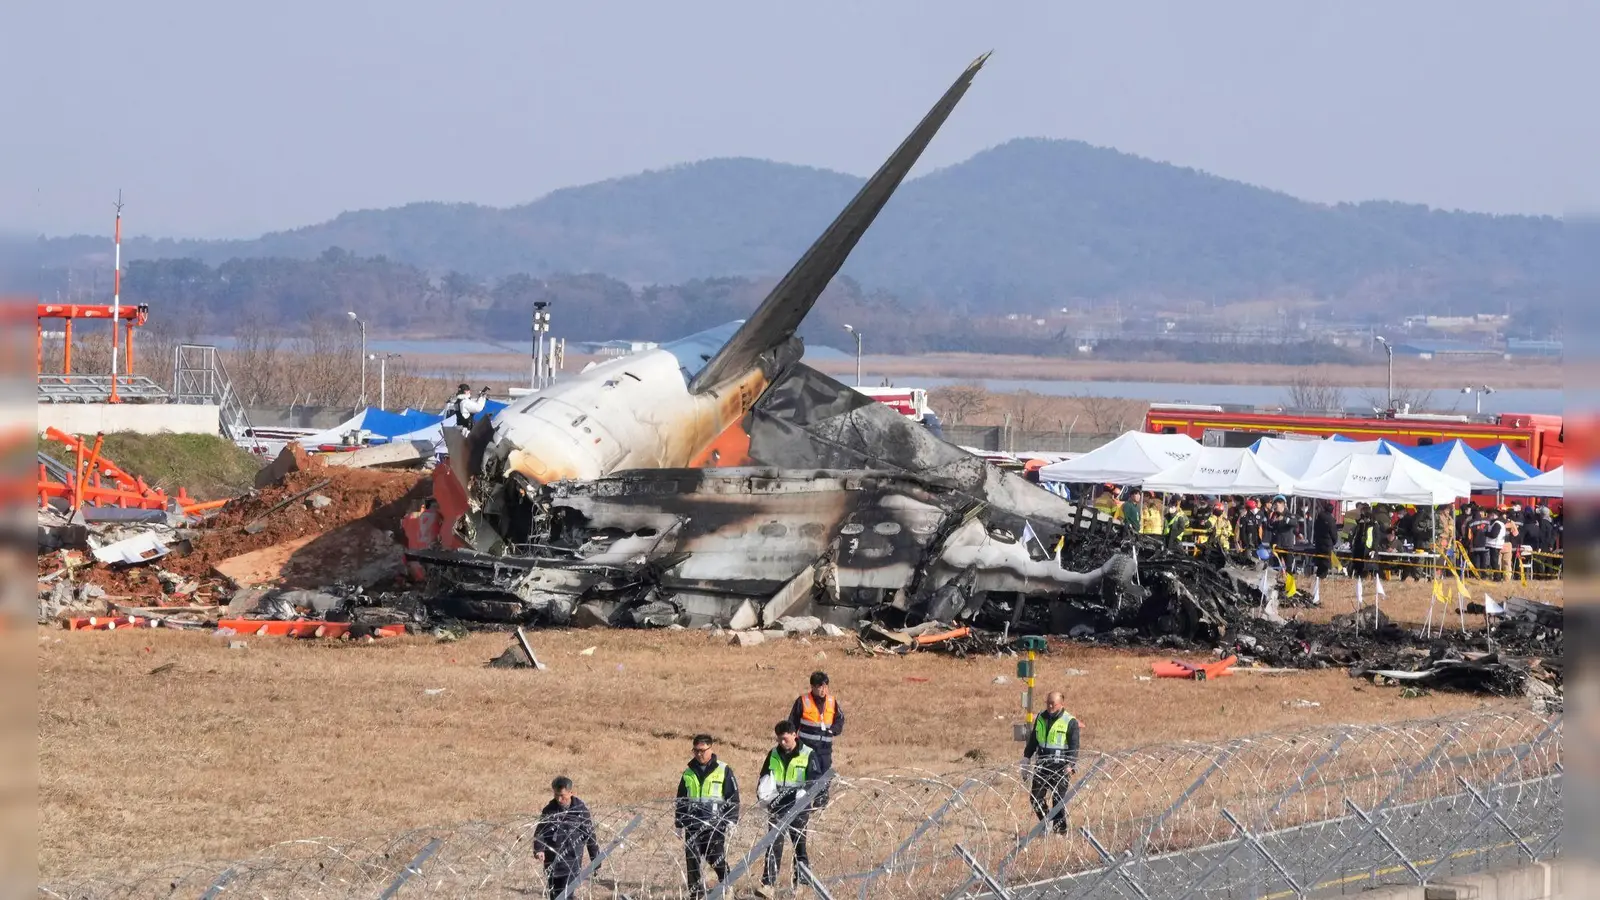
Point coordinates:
pixel 376 498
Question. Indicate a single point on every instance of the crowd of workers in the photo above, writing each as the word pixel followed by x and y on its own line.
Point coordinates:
pixel 708 803
pixel 1499 541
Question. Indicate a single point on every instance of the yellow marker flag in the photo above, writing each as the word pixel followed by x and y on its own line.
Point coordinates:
pixel 1438 593
pixel 1288 583
pixel 1461 588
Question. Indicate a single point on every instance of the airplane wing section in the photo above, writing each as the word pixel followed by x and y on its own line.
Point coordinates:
pixel 779 315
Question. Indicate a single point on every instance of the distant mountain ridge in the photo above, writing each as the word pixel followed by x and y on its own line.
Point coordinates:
pixel 1029 224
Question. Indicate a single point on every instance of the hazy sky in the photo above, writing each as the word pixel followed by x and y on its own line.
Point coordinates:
pixel 222 119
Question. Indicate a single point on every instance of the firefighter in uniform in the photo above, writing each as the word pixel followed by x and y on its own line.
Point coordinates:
pixel 707 806
pixel 818 719
pixel 1053 750
pixel 788 770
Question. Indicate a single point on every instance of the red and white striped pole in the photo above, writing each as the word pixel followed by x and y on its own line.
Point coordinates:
pixel 116 296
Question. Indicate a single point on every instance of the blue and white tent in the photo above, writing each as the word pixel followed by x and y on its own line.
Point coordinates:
pixel 1507 459
pixel 1461 461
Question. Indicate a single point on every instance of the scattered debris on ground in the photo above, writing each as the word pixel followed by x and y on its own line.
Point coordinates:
pixel 315 550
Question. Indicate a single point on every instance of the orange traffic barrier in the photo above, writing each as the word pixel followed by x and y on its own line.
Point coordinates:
pixel 303 628
pixel 106 623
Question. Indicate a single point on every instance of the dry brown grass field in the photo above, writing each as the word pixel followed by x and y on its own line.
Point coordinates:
pixel 1410 372
pixel 1413 373
pixel 231 750
pixel 1407 602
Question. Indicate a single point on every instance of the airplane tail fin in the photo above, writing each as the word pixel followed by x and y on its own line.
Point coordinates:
pixel 780 314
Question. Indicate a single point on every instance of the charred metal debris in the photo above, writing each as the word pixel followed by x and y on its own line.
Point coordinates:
pixel 848 512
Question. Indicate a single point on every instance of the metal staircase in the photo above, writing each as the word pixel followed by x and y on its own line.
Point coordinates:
pixel 198 376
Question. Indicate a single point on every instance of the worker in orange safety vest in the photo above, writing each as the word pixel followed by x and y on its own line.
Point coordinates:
pixel 818 719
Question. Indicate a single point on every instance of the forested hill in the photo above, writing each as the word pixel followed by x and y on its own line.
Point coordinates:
pixel 1027 225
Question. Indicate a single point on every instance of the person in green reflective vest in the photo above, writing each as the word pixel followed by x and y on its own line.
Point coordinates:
pixel 1053 751
pixel 785 781
pixel 707 806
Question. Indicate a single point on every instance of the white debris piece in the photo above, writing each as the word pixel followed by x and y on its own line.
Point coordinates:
pixel 799 625
pixel 1301 704
pixel 744 617
pixel 140 548
pixel 1074 673
pixel 747 638
pixel 832 630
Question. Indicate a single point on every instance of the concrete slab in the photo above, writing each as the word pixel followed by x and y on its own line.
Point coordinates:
pixel 393 455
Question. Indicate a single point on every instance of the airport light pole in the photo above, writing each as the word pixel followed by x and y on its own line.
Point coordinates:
pixel 383 376
pixel 857 334
pixel 1480 390
pixel 541 327
pixel 1389 349
pixel 357 319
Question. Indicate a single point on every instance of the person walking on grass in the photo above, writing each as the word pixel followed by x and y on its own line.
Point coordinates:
pixel 786 778
pixel 707 806
pixel 564 833
pixel 1053 751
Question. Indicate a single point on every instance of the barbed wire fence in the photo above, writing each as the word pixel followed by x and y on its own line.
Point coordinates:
pixel 1330 809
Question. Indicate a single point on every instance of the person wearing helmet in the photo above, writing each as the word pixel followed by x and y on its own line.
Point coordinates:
pixel 1249 528
pixel 1221 528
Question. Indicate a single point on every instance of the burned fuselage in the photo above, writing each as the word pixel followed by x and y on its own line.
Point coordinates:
pixel 706 542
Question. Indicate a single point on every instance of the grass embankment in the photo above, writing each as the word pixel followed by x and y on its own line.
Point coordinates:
pixel 210 467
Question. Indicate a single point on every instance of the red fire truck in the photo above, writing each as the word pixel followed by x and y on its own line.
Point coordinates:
pixel 909 402
pixel 1539 439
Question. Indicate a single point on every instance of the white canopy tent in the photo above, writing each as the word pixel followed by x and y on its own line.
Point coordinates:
pixel 1384 478
pixel 1128 459
pixel 1550 484
pixel 1286 454
pixel 1221 471
pixel 1330 453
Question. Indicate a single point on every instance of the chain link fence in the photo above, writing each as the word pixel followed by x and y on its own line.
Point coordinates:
pixel 1337 809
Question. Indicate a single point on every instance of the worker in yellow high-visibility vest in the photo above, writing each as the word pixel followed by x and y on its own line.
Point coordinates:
pixel 707 806
pixel 1053 750
pixel 786 777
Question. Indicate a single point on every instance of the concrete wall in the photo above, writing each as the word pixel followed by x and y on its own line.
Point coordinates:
pixel 298 416
pixel 1536 881
pixel 144 418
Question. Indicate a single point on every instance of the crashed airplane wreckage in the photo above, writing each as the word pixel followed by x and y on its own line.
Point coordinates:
pixel 719 480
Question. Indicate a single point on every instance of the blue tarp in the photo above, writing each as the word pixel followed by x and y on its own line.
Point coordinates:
pixel 388 424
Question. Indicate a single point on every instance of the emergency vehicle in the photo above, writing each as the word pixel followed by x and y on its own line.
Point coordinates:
pixel 1539 439
pixel 909 402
